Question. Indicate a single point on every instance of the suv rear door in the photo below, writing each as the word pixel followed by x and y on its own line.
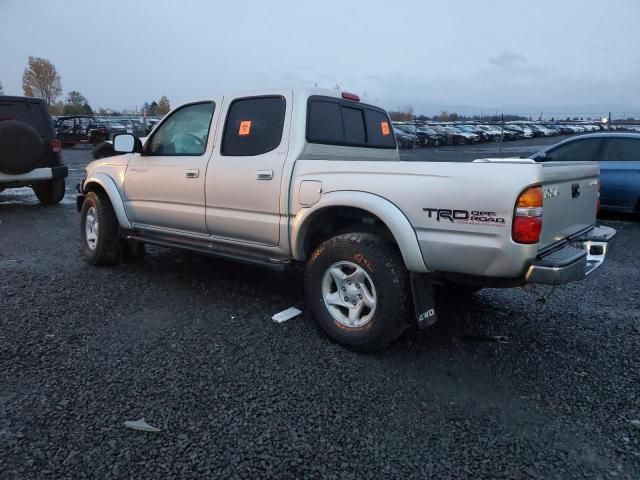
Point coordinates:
pixel 244 178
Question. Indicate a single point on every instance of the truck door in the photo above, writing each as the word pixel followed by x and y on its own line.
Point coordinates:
pixel 244 179
pixel 164 186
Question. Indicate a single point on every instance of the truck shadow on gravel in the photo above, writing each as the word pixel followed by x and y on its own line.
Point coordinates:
pixel 474 320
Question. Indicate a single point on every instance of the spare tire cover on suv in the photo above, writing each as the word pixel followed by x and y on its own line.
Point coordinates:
pixel 20 147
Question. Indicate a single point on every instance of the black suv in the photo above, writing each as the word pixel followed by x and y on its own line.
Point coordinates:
pixel 29 149
pixel 80 129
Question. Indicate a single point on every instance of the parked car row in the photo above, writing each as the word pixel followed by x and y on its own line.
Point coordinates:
pixel 87 129
pixel 423 134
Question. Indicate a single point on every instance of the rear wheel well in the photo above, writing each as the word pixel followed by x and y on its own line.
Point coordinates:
pixel 334 221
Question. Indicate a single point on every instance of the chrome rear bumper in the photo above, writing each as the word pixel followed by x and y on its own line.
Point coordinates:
pixel 574 261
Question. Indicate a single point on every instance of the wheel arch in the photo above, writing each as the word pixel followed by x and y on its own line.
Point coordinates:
pixel 390 217
pixel 103 182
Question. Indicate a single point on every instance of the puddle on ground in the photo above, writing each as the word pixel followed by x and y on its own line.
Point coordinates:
pixel 25 196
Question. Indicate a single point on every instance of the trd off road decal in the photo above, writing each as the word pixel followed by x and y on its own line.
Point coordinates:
pixel 470 217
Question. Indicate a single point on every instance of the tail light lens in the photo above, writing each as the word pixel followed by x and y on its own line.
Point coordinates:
pixel 56 146
pixel 598 202
pixel 527 216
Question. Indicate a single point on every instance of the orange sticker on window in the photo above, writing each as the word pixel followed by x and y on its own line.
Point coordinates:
pixel 245 127
pixel 385 128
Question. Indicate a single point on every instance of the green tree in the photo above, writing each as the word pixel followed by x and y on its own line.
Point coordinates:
pixel 153 109
pixel 41 79
pixel 1 89
pixel 163 105
pixel 56 108
pixel 77 104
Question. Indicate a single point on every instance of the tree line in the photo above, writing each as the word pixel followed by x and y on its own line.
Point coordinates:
pixel 42 80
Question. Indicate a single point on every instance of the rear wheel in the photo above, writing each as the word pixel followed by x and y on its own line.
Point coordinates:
pixel 99 230
pixel 50 192
pixel 356 286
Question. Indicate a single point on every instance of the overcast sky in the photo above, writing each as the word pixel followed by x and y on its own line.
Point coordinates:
pixel 490 54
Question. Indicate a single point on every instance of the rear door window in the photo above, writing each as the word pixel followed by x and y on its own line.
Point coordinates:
pixel 333 121
pixel 254 126
pixel 576 151
pixel 621 150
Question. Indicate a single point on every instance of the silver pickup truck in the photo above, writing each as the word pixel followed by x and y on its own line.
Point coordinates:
pixel 284 176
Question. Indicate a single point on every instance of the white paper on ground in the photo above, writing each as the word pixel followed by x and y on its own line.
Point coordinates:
pixel 140 425
pixel 287 314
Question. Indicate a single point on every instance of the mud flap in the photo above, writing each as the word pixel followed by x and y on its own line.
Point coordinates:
pixel 423 300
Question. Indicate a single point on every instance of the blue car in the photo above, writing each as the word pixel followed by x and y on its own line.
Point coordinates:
pixel 618 155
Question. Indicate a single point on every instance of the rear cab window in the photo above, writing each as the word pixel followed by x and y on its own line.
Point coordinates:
pixel 336 121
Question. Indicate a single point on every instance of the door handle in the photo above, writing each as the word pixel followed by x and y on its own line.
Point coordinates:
pixel 194 173
pixel 264 174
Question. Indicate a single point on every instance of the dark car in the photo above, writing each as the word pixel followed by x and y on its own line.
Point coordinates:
pixel 433 138
pixel 619 157
pixel 76 129
pixel 29 149
pixel 453 136
pixel 403 139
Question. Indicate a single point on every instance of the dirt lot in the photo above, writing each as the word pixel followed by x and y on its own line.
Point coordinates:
pixel 187 343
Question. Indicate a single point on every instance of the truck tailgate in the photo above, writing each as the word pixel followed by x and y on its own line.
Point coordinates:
pixel 570 192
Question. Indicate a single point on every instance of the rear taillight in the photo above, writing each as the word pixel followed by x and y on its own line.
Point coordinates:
pixel 527 216
pixel 56 146
pixel 598 202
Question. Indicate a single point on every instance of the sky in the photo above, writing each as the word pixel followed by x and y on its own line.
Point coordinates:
pixel 487 56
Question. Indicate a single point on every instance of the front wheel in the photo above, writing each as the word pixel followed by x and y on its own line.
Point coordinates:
pixel 99 230
pixel 50 192
pixel 356 285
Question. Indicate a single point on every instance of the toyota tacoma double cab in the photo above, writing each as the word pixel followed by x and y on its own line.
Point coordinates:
pixel 287 176
pixel 29 149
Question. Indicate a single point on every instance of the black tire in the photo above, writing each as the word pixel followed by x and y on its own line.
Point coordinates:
pixel 97 140
pixel 385 268
pixel 103 150
pixel 50 192
pixel 106 250
pixel 20 147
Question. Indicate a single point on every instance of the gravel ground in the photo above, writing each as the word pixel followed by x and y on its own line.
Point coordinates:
pixel 187 343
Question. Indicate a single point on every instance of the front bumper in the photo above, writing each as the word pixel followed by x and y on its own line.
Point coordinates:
pixel 575 260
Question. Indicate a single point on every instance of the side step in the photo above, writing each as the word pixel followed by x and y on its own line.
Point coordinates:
pixel 209 248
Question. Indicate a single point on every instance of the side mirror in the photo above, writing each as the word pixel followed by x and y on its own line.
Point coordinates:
pixel 126 143
pixel 541 157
